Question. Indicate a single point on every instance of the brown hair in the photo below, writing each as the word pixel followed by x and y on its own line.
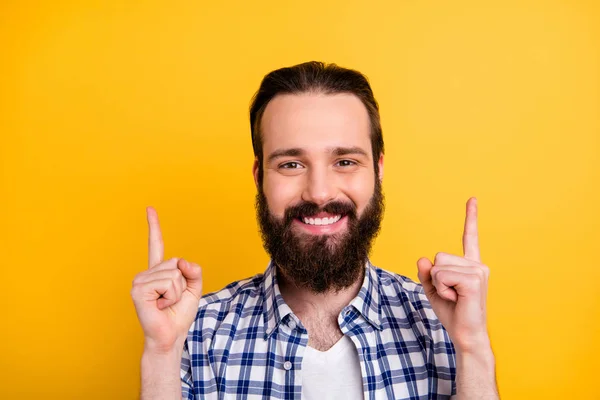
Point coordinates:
pixel 314 77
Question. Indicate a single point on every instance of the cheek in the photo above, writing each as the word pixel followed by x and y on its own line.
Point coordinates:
pixel 360 190
pixel 281 192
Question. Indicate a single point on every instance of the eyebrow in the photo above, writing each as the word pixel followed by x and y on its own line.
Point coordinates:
pixel 342 151
pixel 296 151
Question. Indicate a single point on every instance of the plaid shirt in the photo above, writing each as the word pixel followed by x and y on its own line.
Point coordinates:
pixel 246 343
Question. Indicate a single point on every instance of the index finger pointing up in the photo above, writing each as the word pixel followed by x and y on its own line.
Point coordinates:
pixel 156 248
pixel 471 234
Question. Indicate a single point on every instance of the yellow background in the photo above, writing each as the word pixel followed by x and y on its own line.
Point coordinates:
pixel 109 106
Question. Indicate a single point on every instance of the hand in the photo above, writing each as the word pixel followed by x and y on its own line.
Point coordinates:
pixel 165 296
pixel 457 289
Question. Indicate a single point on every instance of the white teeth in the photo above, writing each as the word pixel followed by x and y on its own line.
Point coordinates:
pixel 322 221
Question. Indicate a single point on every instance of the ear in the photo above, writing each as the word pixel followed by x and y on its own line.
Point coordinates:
pixel 255 171
pixel 380 165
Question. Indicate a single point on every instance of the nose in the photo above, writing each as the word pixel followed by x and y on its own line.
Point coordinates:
pixel 320 188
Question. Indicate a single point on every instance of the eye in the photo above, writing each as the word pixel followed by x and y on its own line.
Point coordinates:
pixel 290 165
pixel 346 163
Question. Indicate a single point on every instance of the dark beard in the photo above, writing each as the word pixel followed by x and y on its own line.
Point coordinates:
pixel 321 263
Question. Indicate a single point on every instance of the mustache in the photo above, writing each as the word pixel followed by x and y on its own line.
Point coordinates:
pixel 307 208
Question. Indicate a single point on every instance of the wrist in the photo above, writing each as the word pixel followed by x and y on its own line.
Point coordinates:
pixel 161 362
pixel 473 344
pixel 476 375
pixel 154 349
pixel 476 368
pixel 478 352
pixel 482 357
pixel 160 374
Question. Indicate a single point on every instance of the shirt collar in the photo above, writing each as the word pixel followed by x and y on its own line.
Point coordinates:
pixel 367 302
pixel 275 308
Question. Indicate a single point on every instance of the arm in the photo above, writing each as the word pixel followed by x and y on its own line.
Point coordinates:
pixel 476 375
pixel 166 298
pixel 457 290
pixel 160 375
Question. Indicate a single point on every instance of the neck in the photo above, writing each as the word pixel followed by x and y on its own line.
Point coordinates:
pixel 307 303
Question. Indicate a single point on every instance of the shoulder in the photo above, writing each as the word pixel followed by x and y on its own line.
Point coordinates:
pixel 407 313
pixel 393 284
pixel 406 299
pixel 233 302
pixel 249 287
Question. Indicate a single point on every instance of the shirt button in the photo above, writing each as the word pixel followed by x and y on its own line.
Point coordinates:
pixel 292 324
pixel 287 365
pixel 347 312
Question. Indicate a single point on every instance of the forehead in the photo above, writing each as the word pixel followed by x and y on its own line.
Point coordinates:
pixel 315 122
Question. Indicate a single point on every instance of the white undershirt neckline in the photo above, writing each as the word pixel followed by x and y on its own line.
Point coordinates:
pixel 333 374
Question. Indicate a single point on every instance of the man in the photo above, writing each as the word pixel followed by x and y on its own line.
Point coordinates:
pixel 322 322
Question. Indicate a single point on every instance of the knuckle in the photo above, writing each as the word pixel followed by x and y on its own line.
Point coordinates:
pixel 138 278
pixel 483 271
pixel 176 279
pixel 439 257
pixel 176 273
pixel 473 280
pixel 134 291
pixel 477 279
pixel 176 291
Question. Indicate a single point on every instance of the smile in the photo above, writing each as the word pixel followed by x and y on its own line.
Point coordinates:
pixel 321 221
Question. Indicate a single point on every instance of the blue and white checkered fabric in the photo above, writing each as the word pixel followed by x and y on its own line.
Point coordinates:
pixel 247 344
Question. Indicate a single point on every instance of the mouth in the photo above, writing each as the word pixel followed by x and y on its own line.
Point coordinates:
pixel 313 220
pixel 322 223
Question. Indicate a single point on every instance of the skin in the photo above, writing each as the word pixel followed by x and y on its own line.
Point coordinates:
pixel 317 148
pixel 318 129
pixel 165 297
pixel 331 160
pixel 456 287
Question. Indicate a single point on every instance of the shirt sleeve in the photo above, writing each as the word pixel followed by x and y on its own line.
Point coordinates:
pixel 187 384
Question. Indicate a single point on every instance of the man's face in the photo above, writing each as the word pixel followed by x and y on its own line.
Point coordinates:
pixel 319 204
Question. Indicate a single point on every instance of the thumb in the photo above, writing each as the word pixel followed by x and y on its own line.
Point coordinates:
pixel 193 276
pixel 424 266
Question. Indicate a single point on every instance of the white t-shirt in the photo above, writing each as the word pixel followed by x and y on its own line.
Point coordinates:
pixel 333 374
